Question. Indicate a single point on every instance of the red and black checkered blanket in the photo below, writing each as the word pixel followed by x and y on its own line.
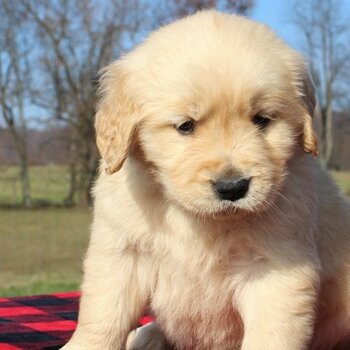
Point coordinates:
pixel 39 322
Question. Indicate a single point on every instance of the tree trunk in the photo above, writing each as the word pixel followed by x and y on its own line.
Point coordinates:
pixel 70 198
pixel 72 169
pixel 328 123
pixel 83 200
pixel 22 151
pixel 329 136
pixel 20 143
pixel 24 173
pixel 87 174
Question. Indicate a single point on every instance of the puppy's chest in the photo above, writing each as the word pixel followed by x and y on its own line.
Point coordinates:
pixel 194 298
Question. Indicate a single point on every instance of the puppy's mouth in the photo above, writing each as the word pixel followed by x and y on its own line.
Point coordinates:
pixel 244 196
pixel 239 195
pixel 227 196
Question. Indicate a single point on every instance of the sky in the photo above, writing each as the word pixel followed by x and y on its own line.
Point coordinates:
pixel 274 13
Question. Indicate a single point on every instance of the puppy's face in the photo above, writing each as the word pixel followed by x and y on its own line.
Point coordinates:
pixel 217 117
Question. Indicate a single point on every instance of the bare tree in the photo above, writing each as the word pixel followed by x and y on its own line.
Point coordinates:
pixel 325 31
pixel 184 7
pixel 14 80
pixel 163 12
pixel 72 41
pixel 77 39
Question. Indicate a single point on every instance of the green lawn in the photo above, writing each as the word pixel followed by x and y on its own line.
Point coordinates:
pixel 343 180
pixel 48 184
pixel 41 250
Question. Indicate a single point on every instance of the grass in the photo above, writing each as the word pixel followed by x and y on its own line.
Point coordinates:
pixel 48 184
pixel 343 180
pixel 41 250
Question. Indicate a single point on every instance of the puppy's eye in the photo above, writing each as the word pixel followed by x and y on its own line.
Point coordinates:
pixel 186 128
pixel 261 121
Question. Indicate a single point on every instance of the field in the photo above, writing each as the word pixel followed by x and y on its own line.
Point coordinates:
pixel 49 184
pixel 41 249
pixel 343 180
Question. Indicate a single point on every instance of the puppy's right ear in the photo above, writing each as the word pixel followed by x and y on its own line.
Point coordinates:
pixel 309 139
pixel 116 118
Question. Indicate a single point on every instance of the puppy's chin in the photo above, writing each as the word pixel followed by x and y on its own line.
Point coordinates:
pixel 255 203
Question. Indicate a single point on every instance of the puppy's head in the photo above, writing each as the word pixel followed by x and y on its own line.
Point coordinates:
pixel 219 105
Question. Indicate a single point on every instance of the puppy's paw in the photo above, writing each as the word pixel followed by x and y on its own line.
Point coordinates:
pixel 149 337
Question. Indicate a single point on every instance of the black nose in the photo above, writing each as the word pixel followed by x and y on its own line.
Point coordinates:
pixel 231 189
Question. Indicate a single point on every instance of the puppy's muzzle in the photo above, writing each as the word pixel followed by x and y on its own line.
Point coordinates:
pixel 231 189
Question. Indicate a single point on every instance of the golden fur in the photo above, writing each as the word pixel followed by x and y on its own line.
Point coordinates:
pixel 269 271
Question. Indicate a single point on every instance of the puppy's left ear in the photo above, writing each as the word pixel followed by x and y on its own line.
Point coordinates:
pixel 309 139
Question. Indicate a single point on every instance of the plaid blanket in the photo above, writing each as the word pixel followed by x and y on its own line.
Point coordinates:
pixel 42 322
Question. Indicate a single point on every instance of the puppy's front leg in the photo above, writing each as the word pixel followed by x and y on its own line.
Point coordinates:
pixel 115 291
pixel 277 305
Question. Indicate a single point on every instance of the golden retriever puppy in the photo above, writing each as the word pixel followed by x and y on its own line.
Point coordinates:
pixel 209 208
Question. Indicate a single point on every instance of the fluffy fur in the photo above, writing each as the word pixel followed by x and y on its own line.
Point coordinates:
pixel 269 271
